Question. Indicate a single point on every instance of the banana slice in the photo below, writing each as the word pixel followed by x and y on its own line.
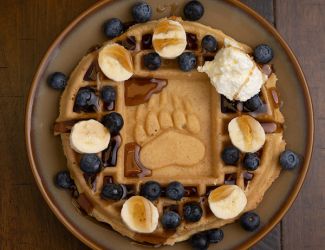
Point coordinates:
pixel 227 201
pixel 89 137
pixel 246 133
pixel 116 62
pixel 140 215
pixel 169 39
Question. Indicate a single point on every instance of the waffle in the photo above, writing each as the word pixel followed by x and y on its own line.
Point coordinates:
pixel 198 113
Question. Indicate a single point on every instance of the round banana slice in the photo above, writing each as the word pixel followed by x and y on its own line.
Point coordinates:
pixel 89 137
pixel 246 133
pixel 116 62
pixel 169 39
pixel 140 215
pixel 227 201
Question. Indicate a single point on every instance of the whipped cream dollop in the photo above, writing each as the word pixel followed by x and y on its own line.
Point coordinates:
pixel 234 74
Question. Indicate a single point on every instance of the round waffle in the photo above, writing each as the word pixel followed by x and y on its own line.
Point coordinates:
pixel 181 106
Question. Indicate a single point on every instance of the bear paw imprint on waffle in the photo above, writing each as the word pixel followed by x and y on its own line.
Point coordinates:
pixel 166 130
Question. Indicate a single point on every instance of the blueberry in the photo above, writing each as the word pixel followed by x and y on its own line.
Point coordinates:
pixel 57 80
pixel 192 212
pixel 263 53
pixel 250 221
pixel 199 241
pixel 141 12
pixel 215 235
pixel 253 103
pixel 113 28
pixel 86 98
pixel 251 161
pixel 209 43
pixel 113 191
pixel 90 163
pixel 151 190
pixel 114 122
pixel 230 155
pixel 187 61
pixel 289 160
pixel 193 10
pixel 108 94
pixel 170 220
pixel 175 190
pixel 152 61
pixel 63 179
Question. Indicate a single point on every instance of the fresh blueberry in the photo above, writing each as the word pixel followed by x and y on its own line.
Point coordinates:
pixel 199 241
pixel 64 180
pixel 175 190
pixel 192 212
pixel 113 191
pixel 187 61
pixel 152 61
pixel 141 12
pixel 86 99
pixel 113 28
pixel 108 94
pixel 289 160
pixel 263 53
pixel 90 163
pixel 251 161
pixel 151 190
pixel 230 155
pixel 215 235
pixel 170 220
pixel 209 43
pixel 114 122
pixel 57 80
pixel 253 103
pixel 250 221
pixel 193 10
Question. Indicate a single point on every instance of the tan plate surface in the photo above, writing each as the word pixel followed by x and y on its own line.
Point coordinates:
pixel 45 151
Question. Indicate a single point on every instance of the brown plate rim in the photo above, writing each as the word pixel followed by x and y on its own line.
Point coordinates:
pixel 70 225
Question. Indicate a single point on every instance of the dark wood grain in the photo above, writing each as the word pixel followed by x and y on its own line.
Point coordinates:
pixel 28 27
pixel 303 26
pixel 26 30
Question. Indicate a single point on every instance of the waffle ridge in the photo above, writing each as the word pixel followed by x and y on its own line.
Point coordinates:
pixel 207 172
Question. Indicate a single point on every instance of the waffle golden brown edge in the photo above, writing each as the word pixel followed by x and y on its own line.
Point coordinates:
pixel 171 129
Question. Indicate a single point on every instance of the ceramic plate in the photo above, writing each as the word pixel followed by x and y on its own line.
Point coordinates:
pixel 46 153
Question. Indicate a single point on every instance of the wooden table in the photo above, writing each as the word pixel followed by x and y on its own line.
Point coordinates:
pixel 27 28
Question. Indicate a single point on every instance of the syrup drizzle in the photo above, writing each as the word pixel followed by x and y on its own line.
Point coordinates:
pixel 269 127
pixel 190 191
pixel 91 180
pixel 267 69
pixel 275 97
pixel 139 90
pixel 132 164
pixel 191 41
pixel 64 127
pixel 129 43
pixel 109 156
pixel 230 179
pixel 247 178
pixel 92 71
pixel 146 42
